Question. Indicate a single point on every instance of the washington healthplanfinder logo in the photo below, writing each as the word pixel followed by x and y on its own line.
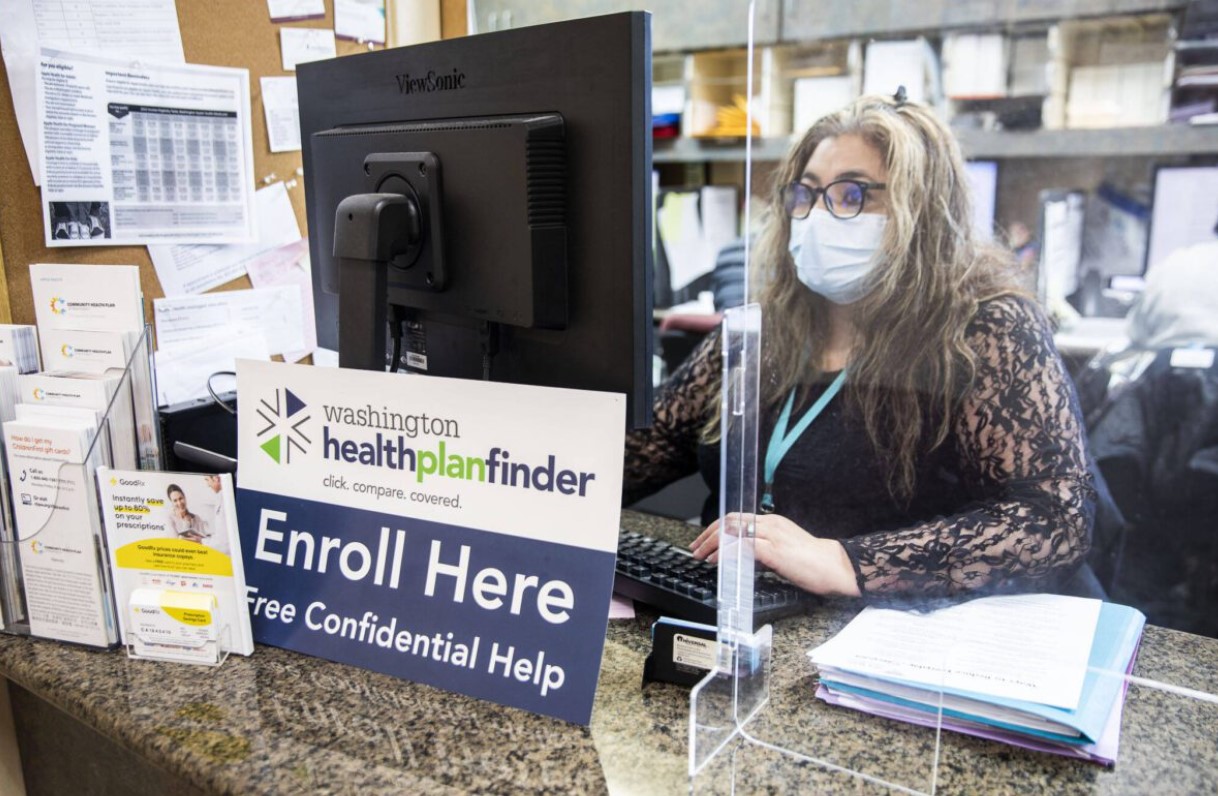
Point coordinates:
pixel 283 431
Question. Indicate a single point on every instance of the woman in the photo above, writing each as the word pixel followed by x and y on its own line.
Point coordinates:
pixel 182 520
pixel 948 454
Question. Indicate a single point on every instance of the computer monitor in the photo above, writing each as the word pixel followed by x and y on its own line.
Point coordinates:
pixel 1184 210
pixel 489 198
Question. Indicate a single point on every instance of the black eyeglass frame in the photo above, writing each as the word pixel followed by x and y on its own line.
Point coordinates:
pixel 788 196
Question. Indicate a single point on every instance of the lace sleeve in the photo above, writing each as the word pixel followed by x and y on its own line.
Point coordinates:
pixel 659 455
pixel 1022 455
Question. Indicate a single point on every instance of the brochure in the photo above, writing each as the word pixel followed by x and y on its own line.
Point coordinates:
pixel 94 391
pixel 87 351
pixel 103 298
pixel 175 531
pixel 51 461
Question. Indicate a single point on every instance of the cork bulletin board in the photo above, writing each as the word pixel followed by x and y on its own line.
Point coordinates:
pixel 234 33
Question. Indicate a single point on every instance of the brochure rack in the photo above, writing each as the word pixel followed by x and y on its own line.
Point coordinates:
pixel 42 502
pixel 735 736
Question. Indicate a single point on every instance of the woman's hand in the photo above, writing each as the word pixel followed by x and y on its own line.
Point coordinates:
pixel 816 565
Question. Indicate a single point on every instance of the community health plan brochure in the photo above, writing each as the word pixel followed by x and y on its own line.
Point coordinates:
pixel 176 532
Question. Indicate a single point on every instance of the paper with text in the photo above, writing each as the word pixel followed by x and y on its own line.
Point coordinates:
pixel 147 27
pixel 1031 647
pixel 300 45
pixel 193 269
pixel 182 373
pixel 282 113
pixel 276 312
pixel 289 265
pixel 137 153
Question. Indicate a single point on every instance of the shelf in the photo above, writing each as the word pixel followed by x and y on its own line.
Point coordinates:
pixel 1166 140
pixel 1175 139
pixel 882 18
pixel 701 150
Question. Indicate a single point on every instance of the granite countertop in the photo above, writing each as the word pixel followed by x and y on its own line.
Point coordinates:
pixel 282 722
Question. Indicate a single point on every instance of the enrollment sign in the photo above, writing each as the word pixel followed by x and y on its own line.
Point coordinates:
pixel 456 533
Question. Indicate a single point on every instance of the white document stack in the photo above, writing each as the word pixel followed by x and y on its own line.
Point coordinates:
pixel 58 522
pixel 92 298
pixel 90 318
pixel 80 351
pixel 94 391
pixel 19 347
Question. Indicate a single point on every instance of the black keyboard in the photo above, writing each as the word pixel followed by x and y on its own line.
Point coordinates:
pixel 671 580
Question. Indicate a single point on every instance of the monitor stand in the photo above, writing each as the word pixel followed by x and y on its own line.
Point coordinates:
pixel 370 230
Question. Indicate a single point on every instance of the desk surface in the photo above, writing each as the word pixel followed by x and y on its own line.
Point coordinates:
pixel 281 722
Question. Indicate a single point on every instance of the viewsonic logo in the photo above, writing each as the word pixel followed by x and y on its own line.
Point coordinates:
pixel 283 426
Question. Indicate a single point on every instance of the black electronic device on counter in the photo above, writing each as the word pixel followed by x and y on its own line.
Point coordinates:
pixel 200 435
pixel 671 580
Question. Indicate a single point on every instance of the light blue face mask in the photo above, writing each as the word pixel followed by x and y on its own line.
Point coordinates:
pixel 834 257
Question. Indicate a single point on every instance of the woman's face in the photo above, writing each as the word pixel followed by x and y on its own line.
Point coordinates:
pixel 179 503
pixel 847 157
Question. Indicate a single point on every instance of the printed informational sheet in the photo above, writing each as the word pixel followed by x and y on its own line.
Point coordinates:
pixel 147 27
pixel 362 20
pixel 292 10
pixel 136 154
pixel 184 372
pixel 276 312
pixel 299 45
pixel 189 270
pixel 282 113
pixel 289 265
pixel 456 533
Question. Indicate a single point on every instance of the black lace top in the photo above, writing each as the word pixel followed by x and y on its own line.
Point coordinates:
pixel 1006 502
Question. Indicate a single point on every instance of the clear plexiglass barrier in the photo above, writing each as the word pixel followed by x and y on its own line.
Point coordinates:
pixel 965 400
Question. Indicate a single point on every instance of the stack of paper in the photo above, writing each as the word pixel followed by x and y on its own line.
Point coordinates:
pixel 90 298
pixel 73 350
pixel 90 319
pixel 51 460
pixel 93 391
pixel 1040 671
pixel 19 347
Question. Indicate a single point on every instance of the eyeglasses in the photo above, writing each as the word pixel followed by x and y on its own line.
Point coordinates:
pixel 844 199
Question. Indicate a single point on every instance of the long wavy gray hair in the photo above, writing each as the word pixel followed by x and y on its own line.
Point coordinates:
pixel 911 324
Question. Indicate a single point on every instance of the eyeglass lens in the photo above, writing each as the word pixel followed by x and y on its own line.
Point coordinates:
pixel 843 198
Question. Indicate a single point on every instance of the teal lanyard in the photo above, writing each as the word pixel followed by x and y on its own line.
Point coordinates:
pixel 781 441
